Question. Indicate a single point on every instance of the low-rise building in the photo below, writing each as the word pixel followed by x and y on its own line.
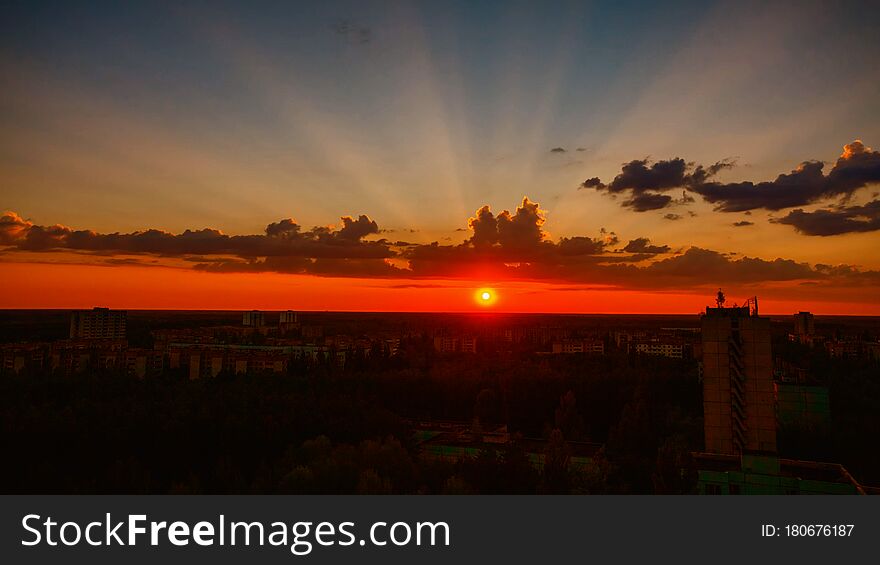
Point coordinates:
pixel 672 348
pixel 768 474
pixel 591 346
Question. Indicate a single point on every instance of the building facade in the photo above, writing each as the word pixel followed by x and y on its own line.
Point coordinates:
pixel 253 319
pixel 97 323
pixel 738 391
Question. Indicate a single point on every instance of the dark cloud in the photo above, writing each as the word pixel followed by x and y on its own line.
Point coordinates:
pixel 715 268
pixel 642 202
pixel 835 221
pixel 672 216
pixel 580 245
pixel 354 230
pixel 581 149
pixel 803 185
pixel 558 150
pixel 284 239
pixel 638 176
pixel 645 182
pixel 522 229
pixel 743 223
pixel 643 245
pixel 503 246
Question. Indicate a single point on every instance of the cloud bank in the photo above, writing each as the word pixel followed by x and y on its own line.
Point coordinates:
pixel 502 246
pixel 646 186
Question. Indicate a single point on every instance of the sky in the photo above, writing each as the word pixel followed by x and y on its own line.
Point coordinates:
pixel 570 156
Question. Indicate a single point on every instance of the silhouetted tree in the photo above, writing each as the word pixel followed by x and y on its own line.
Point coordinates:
pixel 567 419
pixel 557 462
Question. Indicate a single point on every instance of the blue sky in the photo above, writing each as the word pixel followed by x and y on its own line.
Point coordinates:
pixel 122 116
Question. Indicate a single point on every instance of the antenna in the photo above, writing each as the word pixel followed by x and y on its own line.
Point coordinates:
pixel 719 299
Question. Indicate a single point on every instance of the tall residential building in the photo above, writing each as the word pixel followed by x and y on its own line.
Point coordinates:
pixel 738 397
pixel 97 323
pixel 253 319
pixel 804 325
pixel 287 317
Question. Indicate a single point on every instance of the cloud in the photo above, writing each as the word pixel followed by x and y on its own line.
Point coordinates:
pixel 648 201
pixel 355 230
pixel 502 246
pixel 597 261
pixel 643 245
pixel 283 247
pixel 638 176
pixel 742 224
pixel 13 228
pixel 835 221
pixel 645 183
pixel 715 268
pixel 558 150
pixel 672 216
pixel 522 229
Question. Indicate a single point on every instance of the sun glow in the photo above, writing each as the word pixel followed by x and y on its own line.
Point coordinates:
pixel 486 296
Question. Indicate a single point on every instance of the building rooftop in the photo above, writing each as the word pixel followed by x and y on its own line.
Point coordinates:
pixel 769 464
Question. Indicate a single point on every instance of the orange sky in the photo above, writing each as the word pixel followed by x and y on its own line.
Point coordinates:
pixel 46 285
pixel 670 150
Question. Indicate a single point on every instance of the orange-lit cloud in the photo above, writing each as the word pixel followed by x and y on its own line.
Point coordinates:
pixel 503 248
pixel 646 186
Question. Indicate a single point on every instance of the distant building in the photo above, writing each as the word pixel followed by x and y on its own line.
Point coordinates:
pixel 97 323
pixel 738 393
pixel 455 344
pixel 843 348
pixel 287 317
pixel 142 362
pixel 804 325
pixel 18 357
pixel 253 319
pixel 468 345
pixel 593 346
pixel 669 347
pixel 208 360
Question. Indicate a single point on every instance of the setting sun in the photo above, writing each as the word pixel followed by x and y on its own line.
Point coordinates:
pixel 486 296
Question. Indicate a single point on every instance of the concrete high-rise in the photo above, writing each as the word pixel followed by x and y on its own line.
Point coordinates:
pixel 287 317
pixel 804 325
pixel 98 323
pixel 253 319
pixel 738 398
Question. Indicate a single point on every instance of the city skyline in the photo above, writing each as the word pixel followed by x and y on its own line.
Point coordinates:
pixel 358 156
